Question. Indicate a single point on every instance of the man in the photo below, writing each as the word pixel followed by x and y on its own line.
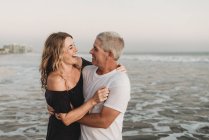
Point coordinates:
pixel 105 120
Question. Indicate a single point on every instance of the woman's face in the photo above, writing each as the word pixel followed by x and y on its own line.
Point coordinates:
pixel 69 51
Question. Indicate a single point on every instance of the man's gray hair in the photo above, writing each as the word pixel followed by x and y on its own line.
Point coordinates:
pixel 112 42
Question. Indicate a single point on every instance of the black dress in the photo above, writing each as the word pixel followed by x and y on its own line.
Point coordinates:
pixel 60 101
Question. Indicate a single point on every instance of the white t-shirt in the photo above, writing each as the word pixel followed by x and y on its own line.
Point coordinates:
pixel 119 86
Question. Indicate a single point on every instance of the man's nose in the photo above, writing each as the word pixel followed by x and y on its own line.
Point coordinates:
pixel 91 51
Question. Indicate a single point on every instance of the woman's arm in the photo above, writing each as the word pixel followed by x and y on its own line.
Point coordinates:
pixel 76 114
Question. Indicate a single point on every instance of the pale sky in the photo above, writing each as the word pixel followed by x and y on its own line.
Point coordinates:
pixel 146 25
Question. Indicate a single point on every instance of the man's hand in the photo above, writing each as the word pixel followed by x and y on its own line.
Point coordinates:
pixel 58 116
pixel 50 110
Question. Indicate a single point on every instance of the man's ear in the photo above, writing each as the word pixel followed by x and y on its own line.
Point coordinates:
pixel 110 54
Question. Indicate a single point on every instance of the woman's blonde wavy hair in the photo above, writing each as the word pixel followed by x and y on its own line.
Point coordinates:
pixel 52 55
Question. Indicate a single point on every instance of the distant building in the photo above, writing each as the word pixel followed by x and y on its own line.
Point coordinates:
pixel 4 51
pixel 15 48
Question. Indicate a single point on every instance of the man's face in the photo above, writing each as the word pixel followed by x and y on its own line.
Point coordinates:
pixel 99 56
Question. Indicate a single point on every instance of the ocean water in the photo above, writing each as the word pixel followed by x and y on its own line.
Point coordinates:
pixel 169 97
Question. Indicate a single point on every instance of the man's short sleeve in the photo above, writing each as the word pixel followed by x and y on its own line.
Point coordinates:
pixel 119 94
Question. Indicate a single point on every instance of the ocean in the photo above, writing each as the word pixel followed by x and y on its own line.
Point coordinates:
pixel 169 97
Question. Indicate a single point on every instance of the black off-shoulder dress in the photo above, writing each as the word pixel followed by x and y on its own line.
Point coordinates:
pixel 60 101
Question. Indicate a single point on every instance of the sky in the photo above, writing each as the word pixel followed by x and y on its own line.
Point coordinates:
pixel 145 25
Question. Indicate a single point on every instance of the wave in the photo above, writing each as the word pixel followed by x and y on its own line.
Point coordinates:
pixel 161 57
pixel 168 58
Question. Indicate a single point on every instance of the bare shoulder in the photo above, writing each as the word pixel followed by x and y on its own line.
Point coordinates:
pixel 55 82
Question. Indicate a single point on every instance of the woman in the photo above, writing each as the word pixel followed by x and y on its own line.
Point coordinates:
pixel 62 80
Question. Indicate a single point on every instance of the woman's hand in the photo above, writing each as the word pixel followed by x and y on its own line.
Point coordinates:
pixel 121 68
pixel 101 95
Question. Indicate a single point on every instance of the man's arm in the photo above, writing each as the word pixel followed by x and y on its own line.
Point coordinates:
pixel 100 120
pixel 77 113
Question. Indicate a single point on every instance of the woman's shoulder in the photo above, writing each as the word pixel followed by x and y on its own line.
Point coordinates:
pixel 55 82
pixel 54 77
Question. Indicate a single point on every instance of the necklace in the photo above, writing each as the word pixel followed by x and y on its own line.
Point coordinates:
pixel 70 78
